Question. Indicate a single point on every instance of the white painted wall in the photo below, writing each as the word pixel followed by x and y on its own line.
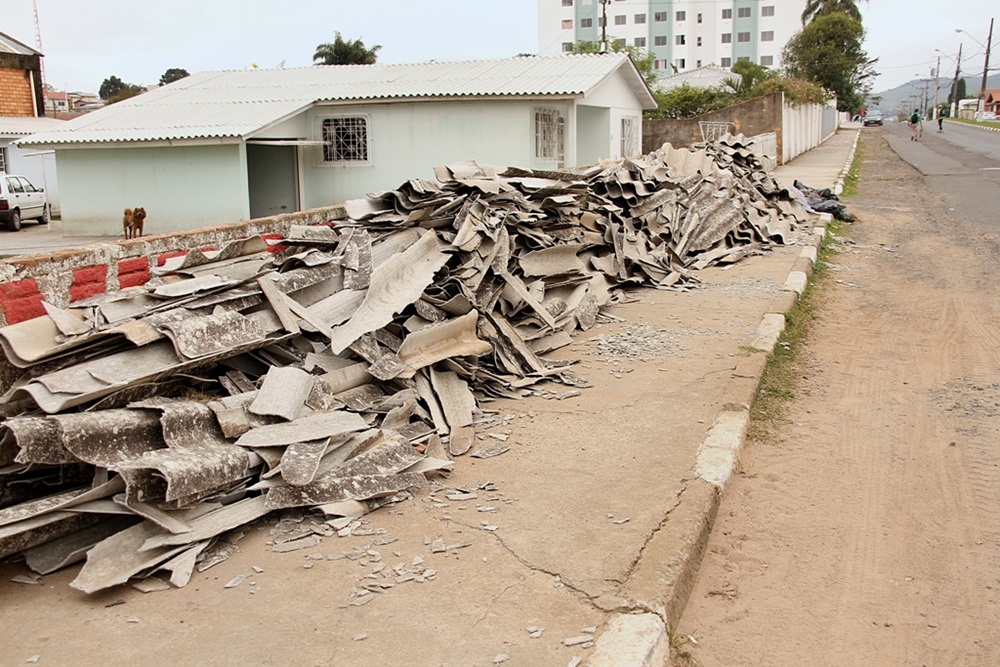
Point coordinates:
pixel 408 140
pixel 180 187
pixel 38 166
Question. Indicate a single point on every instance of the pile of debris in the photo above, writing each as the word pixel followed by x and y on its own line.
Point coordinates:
pixel 344 366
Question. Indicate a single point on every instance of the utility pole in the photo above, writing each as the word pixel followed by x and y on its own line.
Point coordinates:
pixel 954 84
pixel 604 26
pixel 986 69
pixel 937 86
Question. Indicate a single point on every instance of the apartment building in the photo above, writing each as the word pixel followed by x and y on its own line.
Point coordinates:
pixel 681 34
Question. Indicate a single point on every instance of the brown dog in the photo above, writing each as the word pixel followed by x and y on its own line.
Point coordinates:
pixel 133 222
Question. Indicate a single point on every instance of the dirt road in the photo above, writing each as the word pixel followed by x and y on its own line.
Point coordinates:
pixel 869 533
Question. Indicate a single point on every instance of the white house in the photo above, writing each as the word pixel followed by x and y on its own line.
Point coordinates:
pixel 228 146
pixel 38 166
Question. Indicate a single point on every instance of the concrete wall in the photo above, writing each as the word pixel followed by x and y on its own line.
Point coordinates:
pixel 758 116
pixel 181 187
pixel 66 276
pixel 806 126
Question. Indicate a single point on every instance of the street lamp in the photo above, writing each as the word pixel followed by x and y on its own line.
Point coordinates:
pixel 986 66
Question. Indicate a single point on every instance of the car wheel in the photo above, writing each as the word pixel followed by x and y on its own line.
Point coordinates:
pixel 46 215
pixel 14 224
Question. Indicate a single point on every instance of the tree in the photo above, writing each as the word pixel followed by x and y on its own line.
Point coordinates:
pixel 961 91
pixel 111 87
pixel 749 75
pixel 643 60
pixel 687 101
pixel 817 8
pixel 115 90
pixel 341 52
pixel 173 74
pixel 827 51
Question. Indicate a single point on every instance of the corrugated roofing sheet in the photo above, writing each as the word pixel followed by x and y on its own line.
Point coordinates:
pixel 239 103
pixel 20 126
pixel 10 45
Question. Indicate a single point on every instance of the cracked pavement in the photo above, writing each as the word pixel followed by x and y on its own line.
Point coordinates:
pixel 590 513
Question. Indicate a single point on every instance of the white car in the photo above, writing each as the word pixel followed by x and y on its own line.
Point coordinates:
pixel 21 200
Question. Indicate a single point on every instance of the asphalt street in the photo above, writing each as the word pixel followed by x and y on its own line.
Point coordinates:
pixel 961 164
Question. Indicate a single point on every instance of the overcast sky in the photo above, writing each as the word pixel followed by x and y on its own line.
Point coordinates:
pixel 86 41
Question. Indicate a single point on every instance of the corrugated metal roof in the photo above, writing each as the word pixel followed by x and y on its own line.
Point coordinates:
pixel 21 126
pixel 10 45
pixel 238 103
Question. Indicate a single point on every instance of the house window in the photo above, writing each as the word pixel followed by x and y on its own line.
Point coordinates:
pixel 549 129
pixel 767 36
pixel 727 38
pixel 743 13
pixel 640 18
pixel 567 3
pixel 727 13
pixel 660 40
pixel 699 18
pixel 586 23
pixel 681 16
pixel 600 21
pixel 630 136
pixel 726 62
pixel 640 42
pixel 680 40
pixel 567 47
pixel 767 61
pixel 620 19
pixel 697 63
pixel 619 43
pixel 567 24
pixel 4 159
pixel 743 37
pixel 767 11
pixel 345 139
pixel 680 63
pixel 698 41
pixel 660 17
pixel 743 59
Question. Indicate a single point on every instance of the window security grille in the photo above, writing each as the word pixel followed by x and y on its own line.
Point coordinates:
pixel 630 136
pixel 549 135
pixel 345 139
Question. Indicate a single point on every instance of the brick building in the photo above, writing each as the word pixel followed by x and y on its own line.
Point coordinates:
pixel 20 79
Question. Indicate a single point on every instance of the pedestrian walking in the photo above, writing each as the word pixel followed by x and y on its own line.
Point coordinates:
pixel 916 125
pixel 940 122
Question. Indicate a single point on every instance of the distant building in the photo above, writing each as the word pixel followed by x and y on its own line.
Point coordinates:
pixel 681 34
pixel 20 79
pixel 56 102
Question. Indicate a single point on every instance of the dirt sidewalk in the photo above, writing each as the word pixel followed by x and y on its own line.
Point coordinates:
pixel 869 533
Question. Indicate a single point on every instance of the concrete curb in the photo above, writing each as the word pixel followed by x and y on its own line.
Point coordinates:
pixel 838 185
pixel 981 127
pixel 643 639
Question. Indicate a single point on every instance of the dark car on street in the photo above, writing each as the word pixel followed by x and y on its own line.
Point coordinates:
pixel 873 117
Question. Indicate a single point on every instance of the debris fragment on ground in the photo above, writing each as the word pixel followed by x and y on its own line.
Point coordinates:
pixel 342 367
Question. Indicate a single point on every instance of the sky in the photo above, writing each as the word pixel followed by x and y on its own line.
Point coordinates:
pixel 87 41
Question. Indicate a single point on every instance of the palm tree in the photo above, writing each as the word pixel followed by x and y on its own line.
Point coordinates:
pixel 341 52
pixel 816 8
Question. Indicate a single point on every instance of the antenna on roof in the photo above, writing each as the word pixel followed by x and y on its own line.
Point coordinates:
pixel 41 60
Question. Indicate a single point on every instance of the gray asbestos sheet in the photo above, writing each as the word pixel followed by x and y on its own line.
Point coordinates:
pixel 63 551
pixel 194 470
pixel 339 489
pixel 283 393
pixel 394 285
pixel 211 524
pixel 209 335
pixel 314 427
pixel 452 338
pixel 301 460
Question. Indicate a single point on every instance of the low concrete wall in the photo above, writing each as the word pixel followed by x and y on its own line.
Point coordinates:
pixel 71 275
pixel 758 116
